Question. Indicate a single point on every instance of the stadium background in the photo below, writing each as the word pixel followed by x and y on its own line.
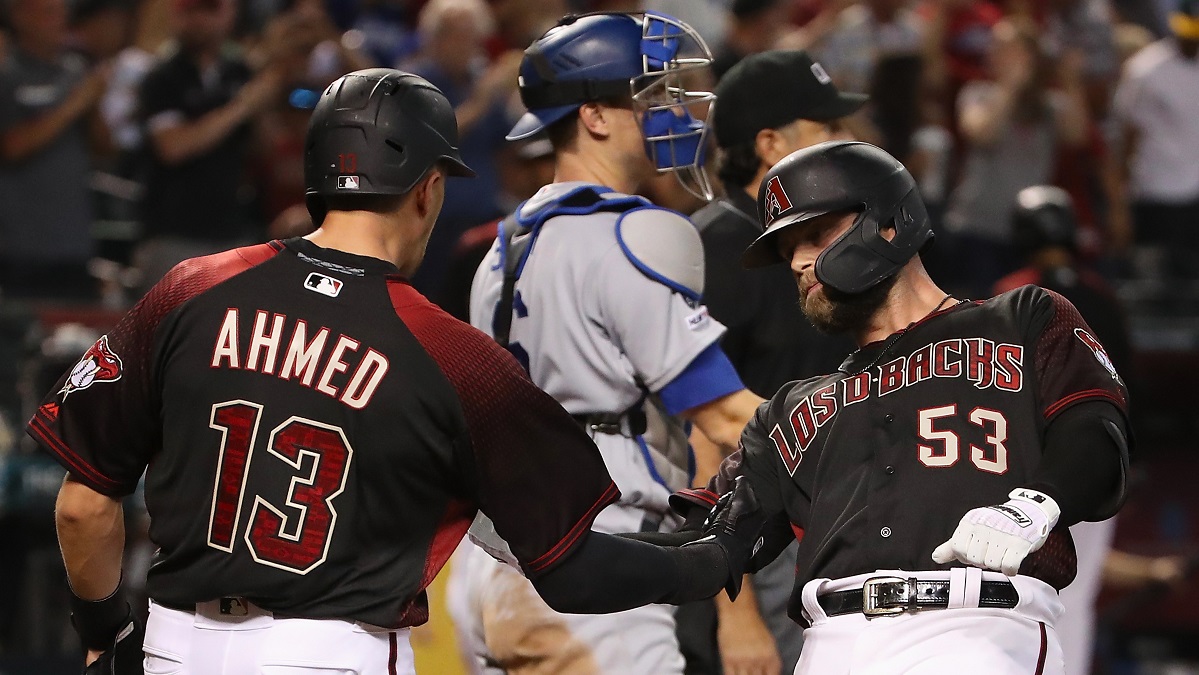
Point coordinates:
pixel 98 203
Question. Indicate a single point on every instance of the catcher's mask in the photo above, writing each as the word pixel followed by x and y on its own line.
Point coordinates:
pixel 661 62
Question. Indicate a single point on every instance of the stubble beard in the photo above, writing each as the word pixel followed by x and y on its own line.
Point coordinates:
pixel 831 311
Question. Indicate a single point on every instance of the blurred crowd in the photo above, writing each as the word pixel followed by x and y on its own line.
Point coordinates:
pixel 137 133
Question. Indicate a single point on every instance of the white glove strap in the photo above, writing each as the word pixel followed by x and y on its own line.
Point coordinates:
pixel 1040 500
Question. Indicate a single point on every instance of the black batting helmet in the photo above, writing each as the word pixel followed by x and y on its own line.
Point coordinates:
pixel 844 176
pixel 377 132
pixel 1043 216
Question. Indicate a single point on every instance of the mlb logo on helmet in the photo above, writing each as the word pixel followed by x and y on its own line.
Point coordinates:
pixel 347 182
pixel 324 285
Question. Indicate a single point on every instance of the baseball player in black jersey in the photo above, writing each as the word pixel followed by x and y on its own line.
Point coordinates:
pixel 317 437
pixel 931 478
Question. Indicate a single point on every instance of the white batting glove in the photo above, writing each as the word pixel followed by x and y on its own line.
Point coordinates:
pixel 1000 537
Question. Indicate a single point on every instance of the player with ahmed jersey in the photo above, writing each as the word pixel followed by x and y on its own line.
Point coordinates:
pixel 933 477
pixel 317 437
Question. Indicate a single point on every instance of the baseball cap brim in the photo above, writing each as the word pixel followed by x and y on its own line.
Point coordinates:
pixel 764 250
pixel 844 105
pixel 534 121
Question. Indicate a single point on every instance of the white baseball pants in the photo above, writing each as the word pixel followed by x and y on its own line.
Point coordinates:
pixel 961 639
pixel 207 642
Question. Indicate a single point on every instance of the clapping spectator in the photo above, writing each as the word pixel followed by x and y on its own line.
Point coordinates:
pixel 1011 128
pixel 196 105
pixel 47 96
pixel 862 34
pixel 453 57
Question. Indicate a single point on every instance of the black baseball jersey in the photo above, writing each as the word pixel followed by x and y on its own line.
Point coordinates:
pixel 875 465
pixel 318 436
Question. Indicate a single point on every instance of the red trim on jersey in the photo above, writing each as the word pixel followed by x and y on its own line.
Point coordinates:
pixel 1058 406
pixel 393 653
pixel 1044 650
pixel 798 532
pixel 80 467
pixel 703 494
pixel 610 495
pixel 452 528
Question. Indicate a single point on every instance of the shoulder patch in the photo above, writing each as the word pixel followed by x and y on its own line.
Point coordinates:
pixel 665 246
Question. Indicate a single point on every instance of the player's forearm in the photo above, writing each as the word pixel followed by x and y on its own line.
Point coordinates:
pixel 723 420
pixel 613 574
pixel 1084 461
pixel 91 534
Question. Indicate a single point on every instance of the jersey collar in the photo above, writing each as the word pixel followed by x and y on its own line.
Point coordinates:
pixel 339 261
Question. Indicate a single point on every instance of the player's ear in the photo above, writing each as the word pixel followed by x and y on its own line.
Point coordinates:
pixel 429 192
pixel 770 145
pixel 594 117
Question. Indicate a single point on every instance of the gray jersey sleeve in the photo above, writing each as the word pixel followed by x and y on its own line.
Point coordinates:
pixel 653 316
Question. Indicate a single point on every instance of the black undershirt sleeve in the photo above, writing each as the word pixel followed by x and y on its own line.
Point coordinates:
pixel 609 573
pixel 1085 461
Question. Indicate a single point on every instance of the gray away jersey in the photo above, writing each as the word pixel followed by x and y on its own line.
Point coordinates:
pixel 594 325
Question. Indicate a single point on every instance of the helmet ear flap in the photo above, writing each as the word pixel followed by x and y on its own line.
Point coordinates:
pixel 316 208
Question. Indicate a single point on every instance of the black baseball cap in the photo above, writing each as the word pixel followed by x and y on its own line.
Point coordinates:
pixel 772 89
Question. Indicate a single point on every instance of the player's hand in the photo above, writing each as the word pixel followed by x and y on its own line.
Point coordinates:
pixel 733 524
pixel 1000 537
pixel 746 644
pixel 124 657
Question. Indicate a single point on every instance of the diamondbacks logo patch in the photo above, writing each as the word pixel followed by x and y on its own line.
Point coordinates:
pixel 99 364
pixel 1098 350
pixel 776 200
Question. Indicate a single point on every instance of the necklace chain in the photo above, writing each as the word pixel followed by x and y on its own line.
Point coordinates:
pixel 895 338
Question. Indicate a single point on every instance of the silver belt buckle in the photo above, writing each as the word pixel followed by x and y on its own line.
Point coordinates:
pixel 871 600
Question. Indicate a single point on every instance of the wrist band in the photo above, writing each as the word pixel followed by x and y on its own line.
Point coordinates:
pixel 98 621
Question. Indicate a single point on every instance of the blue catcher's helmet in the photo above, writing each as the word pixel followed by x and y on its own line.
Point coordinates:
pixel 651 57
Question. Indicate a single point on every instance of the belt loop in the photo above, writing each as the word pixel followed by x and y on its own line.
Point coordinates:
pixel 957 588
pixel 811 607
pixel 973 586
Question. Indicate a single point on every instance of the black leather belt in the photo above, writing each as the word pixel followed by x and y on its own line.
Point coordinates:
pixel 632 422
pixel 881 596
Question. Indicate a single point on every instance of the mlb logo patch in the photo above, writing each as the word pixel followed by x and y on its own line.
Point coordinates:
pixel 324 285
pixel 347 182
pixel 821 75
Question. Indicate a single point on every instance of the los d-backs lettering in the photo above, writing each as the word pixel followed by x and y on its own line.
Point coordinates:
pixel 305 353
pixel 979 360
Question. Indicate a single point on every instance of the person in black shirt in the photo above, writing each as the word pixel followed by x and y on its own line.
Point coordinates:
pixel 196 106
pixel 771 104
pixel 317 437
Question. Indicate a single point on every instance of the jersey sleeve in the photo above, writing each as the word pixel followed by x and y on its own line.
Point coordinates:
pixel 1070 363
pixel 101 420
pixel 535 472
pixel 656 326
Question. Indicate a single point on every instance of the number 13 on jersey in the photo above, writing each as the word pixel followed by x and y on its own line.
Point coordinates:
pixel 296 536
